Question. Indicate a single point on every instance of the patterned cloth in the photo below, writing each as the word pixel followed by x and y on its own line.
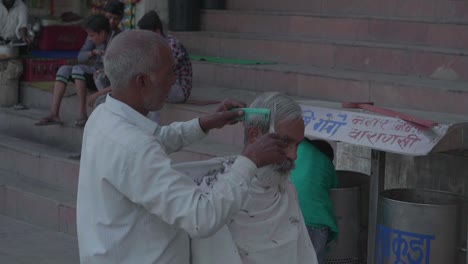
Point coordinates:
pixel 183 67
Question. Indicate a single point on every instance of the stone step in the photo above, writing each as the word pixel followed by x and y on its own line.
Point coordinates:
pixel 23 243
pixel 435 10
pixel 40 162
pixel 20 124
pixel 39 95
pixel 40 101
pixel 342 26
pixel 338 85
pixel 67 138
pixel 38 203
pixel 398 59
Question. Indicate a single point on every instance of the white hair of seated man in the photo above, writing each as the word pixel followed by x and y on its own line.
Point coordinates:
pixel 282 108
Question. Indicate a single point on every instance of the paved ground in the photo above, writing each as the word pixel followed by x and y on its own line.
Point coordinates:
pixel 22 243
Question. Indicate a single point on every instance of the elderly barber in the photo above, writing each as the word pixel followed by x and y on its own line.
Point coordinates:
pixel 14 21
pixel 133 207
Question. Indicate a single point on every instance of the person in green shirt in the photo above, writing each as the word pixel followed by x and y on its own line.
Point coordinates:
pixel 313 177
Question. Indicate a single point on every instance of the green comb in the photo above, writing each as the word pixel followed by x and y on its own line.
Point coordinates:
pixel 250 113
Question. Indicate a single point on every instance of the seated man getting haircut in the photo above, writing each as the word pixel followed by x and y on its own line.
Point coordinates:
pixel 270 227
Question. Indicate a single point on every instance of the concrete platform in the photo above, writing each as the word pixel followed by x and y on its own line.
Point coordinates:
pixel 339 26
pixel 318 83
pixel 38 203
pixel 437 10
pixel 390 58
pixel 22 243
pixel 41 162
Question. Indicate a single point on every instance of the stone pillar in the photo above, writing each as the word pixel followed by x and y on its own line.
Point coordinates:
pixel 10 73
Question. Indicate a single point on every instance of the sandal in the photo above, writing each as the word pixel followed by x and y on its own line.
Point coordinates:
pixel 80 122
pixel 47 121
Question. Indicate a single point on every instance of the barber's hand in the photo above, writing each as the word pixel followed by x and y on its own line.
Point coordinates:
pixel 222 116
pixel 27 40
pixel 96 73
pixel 228 104
pixel 268 149
pixel 95 52
pixel 24 35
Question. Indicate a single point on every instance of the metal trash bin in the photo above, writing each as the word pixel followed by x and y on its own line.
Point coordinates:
pixel 10 73
pixel 184 15
pixel 421 226
pixel 351 209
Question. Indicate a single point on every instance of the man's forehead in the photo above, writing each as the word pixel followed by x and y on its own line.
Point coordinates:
pixel 292 129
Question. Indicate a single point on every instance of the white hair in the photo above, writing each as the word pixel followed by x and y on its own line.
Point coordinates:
pixel 283 107
pixel 130 53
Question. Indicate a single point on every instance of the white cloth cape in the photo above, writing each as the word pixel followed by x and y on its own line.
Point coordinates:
pixel 269 229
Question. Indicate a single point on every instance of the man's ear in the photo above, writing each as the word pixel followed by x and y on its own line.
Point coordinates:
pixel 253 133
pixel 140 80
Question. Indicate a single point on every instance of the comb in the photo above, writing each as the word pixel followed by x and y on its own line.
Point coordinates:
pixel 250 113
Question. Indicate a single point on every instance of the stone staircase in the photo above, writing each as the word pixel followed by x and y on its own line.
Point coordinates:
pixel 396 53
pixel 404 54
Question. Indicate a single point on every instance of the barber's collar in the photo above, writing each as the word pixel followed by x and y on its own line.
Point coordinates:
pixel 133 116
pixel 15 4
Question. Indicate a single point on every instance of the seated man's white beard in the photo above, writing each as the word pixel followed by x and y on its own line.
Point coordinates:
pixel 285 166
pixel 273 175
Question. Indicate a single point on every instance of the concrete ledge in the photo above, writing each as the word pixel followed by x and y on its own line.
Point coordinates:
pixel 434 10
pixel 450 34
pixel 38 161
pixel 20 123
pixel 337 85
pixel 389 58
pixel 23 243
pixel 38 203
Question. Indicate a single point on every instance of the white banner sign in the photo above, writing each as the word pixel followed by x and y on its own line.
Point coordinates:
pixel 373 131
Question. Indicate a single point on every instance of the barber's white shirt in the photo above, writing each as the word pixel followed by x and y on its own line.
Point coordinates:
pixel 132 206
pixel 11 21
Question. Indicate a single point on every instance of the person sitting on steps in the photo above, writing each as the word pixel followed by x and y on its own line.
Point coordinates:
pixel 114 11
pixel 99 32
pixel 181 90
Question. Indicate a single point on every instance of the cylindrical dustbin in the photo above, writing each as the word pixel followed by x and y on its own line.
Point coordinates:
pixel 350 207
pixel 213 4
pixel 10 73
pixel 184 15
pixel 421 226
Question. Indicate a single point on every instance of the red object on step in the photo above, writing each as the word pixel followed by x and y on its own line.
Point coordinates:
pixel 369 106
pixel 41 70
pixel 61 38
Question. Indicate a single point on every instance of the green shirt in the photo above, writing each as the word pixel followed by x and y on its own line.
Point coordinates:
pixel 313 177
